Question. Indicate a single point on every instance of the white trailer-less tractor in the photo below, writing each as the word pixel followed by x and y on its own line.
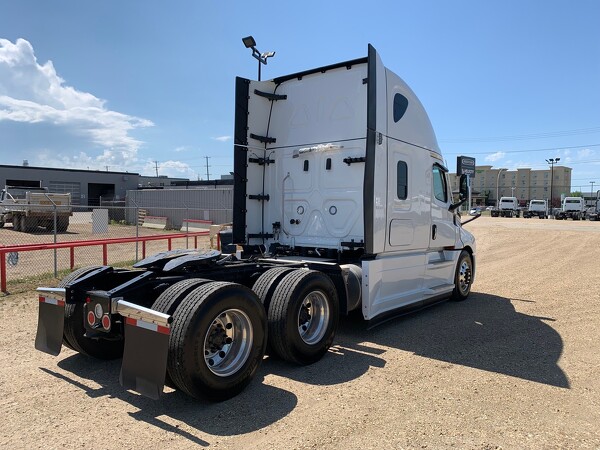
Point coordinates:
pixel 572 208
pixel 594 214
pixel 537 208
pixel 341 203
pixel 507 207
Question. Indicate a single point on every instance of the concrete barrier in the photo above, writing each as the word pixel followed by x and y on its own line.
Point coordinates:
pixel 192 225
pixel 156 222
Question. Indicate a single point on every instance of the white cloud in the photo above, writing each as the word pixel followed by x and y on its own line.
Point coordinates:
pixel 31 93
pixel 222 138
pixel 584 153
pixel 495 156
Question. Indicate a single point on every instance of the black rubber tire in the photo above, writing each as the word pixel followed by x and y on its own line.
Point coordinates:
pixel 169 300
pixel 459 294
pixel 16 221
pixel 68 310
pixel 29 224
pixel 266 284
pixel 283 316
pixel 62 223
pixel 192 320
pixel 1 223
pixel 74 329
pixel 23 223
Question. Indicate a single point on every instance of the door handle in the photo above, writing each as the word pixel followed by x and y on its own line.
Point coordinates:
pixel 433 231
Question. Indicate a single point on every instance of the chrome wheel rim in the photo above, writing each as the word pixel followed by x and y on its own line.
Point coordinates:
pixel 228 342
pixel 313 317
pixel 464 276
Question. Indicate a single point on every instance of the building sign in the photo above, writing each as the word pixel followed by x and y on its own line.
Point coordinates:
pixel 465 165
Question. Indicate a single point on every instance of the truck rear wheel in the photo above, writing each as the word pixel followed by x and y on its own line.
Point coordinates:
pixel 265 285
pixel 62 223
pixel 463 278
pixel 74 329
pixel 29 224
pixel 218 340
pixel 303 316
pixel 16 221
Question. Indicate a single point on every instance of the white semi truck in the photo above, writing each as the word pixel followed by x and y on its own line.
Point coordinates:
pixel 594 214
pixel 342 202
pixel 572 208
pixel 507 207
pixel 537 208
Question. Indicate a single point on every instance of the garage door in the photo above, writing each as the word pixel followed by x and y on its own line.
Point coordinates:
pixel 64 187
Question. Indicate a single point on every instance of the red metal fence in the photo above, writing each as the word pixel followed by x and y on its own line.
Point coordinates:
pixel 71 245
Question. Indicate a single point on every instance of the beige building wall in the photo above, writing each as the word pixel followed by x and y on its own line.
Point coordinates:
pixel 526 184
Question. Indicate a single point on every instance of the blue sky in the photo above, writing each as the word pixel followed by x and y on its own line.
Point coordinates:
pixel 125 84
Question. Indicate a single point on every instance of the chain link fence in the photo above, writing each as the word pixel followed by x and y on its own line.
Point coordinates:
pixel 54 241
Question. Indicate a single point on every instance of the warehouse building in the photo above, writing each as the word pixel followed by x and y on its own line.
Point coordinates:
pixel 85 186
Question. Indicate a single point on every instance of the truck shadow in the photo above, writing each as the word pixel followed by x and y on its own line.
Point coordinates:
pixel 239 415
pixel 484 332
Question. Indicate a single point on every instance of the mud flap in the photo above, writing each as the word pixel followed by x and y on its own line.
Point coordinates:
pixel 145 357
pixel 51 321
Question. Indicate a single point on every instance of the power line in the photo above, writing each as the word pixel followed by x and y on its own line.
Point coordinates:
pixel 524 151
pixel 520 137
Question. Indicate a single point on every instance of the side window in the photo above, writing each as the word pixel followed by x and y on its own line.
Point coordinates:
pixel 402 180
pixel 440 189
pixel 400 106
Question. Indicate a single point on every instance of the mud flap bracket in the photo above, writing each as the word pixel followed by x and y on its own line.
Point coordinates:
pixel 51 321
pixel 146 349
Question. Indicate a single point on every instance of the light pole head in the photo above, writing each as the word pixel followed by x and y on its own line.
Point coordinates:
pixel 249 42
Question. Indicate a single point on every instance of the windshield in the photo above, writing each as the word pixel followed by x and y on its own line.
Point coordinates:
pixel 573 201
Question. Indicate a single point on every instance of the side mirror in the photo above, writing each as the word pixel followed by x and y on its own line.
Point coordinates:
pixel 463 192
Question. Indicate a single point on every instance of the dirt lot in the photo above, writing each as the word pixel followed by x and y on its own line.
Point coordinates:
pixel 515 366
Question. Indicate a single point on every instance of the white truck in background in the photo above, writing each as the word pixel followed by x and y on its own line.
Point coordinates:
pixel 537 208
pixel 31 207
pixel 572 208
pixel 595 213
pixel 342 203
pixel 507 207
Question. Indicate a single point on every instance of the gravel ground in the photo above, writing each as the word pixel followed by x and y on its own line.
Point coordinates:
pixel 514 366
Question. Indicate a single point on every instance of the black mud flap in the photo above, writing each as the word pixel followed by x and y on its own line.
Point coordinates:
pixel 145 357
pixel 51 322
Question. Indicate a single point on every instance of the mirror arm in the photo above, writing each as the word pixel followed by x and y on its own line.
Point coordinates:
pixel 456 205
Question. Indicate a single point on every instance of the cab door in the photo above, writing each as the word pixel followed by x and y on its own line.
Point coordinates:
pixel 443 231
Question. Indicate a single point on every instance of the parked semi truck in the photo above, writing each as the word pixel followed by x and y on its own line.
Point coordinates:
pixel 342 202
pixel 507 207
pixel 572 208
pixel 537 208
pixel 594 214
pixel 31 207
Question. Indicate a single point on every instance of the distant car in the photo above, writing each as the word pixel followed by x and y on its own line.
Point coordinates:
pixel 489 208
pixel 474 211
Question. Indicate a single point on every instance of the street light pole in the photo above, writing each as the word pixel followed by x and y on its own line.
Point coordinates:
pixel 552 161
pixel 592 191
pixel 249 42
pixel 497 188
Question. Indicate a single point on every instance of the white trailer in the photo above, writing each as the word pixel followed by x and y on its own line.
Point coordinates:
pixel 342 202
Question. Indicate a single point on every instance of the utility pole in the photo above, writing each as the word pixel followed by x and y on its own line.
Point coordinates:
pixel 552 161
pixel 207 174
pixel 156 165
pixel 592 191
